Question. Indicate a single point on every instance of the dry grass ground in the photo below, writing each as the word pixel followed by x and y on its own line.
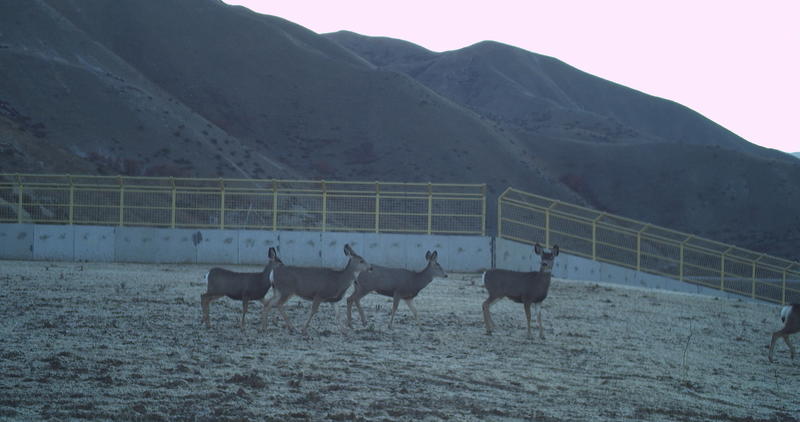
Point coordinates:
pixel 124 342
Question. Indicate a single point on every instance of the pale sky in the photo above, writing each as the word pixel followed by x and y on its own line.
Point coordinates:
pixel 735 62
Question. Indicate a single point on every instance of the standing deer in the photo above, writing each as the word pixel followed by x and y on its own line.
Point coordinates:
pixel 239 286
pixel 396 283
pixel 790 316
pixel 315 284
pixel 522 287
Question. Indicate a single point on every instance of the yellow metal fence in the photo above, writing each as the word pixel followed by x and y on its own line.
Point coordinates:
pixel 379 207
pixel 603 237
pixel 428 208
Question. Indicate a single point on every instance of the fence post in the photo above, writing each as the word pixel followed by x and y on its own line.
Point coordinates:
pixel 324 206
pixel 753 291
pixel 377 207
pixel 681 262
pixel 483 210
pixel 783 289
pixel 722 270
pixel 274 205
pixel 547 225
pixel 121 202
pixel 71 199
pixel 594 236
pixel 430 207
pixel 174 203
pixel 500 214
pixel 19 199
pixel 221 204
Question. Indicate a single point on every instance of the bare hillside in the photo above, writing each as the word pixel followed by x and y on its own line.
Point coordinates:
pixel 199 88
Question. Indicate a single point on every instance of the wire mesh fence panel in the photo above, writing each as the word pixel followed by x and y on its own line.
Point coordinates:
pixel 299 211
pixel 96 206
pixel 456 216
pixel 9 203
pixel 660 258
pixel 768 283
pixel 350 212
pixel 702 267
pixel 398 214
pixel 738 277
pixel 248 209
pixel 49 205
pixel 616 246
pixel 530 218
pixel 792 294
pixel 147 208
pixel 196 209
pixel 570 233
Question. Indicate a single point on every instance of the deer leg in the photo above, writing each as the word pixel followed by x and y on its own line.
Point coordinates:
pixel 266 308
pixel 538 308
pixel 791 348
pixel 277 300
pixel 411 306
pixel 280 303
pixel 487 317
pixel 355 298
pixel 396 301
pixel 361 311
pixel 775 337
pixel 528 317
pixel 205 303
pixel 314 308
pixel 245 302
pixel 350 309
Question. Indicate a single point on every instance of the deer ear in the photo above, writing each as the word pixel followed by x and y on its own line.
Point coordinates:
pixel 428 255
pixel 537 248
pixel 271 254
pixel 434 255
pixel 555 250
pixel 347 250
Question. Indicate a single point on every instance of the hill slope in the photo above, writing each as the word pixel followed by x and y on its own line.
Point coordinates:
pixel 196 87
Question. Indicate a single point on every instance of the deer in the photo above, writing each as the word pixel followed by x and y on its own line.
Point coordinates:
pixel 396 283
pixel 790 316
pixel 522 287
pixel 313 284
pixel 239 286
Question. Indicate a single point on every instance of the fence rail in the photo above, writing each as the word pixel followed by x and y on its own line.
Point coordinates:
pixel 604 237
pixel 428 208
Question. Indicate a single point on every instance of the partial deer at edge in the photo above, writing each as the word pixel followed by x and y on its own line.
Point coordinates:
pixel 790 316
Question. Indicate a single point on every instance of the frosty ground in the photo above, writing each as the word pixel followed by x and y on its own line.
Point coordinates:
pixel 90 341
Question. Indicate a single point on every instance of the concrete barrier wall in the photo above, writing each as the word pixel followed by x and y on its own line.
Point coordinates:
pixel 16 241
pixel 164 245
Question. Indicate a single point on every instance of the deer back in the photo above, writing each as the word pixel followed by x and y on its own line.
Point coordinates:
pixel 383 280
pixel 519 286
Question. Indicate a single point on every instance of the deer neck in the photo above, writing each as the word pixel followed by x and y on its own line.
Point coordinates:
pixel 424 277
pixel 348 274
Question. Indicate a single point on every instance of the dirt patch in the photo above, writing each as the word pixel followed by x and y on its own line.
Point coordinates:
pixel 124 341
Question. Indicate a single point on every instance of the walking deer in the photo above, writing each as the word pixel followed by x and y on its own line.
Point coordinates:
pixel 314 284
pixel 239 286
pixel 396 283
pixel 790 316
pixel 522 287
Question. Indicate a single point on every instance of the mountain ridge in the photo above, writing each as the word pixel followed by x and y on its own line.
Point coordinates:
pixel 200 88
